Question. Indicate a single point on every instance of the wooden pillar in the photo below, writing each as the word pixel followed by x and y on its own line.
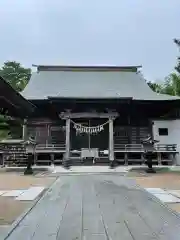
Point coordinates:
pixel 35 158
pixel 143 160
pixel 24 133
pixel 67 155
pixel 159 158
pixel 174 159
pixel 111 140
pixel 52 158
pixel 48 134
pixel 126 159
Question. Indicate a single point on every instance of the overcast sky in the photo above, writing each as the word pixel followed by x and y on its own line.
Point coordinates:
pixel 115 32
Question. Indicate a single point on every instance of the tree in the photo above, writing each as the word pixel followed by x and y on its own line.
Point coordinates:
pixel 177 41
pixel 155 87
pixel 16 75
pixel 171 85
pixel 4 127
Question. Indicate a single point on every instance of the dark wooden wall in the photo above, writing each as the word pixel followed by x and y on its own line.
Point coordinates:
pixel 48 131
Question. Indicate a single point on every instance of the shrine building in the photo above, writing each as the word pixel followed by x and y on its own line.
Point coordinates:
pixel 102 113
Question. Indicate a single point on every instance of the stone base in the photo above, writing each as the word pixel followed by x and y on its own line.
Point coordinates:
pixel 28 171
pixel 150 170
pixel 66 164
pixel 112 164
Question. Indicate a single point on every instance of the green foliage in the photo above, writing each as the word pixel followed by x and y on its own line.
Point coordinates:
pixel 177 41
pixel 10 127
pixel 171 85
pixel 16 75
pixel 155 87
pixel 4 127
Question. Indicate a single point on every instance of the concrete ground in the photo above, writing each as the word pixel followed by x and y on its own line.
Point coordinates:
pixel 167 181
pixel 10 208
pixel 14 180
pixel 103 206
pixel 159 180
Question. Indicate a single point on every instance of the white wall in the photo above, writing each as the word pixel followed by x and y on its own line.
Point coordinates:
pixel 173 133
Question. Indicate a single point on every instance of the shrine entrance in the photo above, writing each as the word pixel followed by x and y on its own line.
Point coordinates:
pixel 89 133
pixel 88 130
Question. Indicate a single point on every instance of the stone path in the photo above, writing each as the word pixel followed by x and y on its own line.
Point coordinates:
pixel 102 207
pixel 90 169
pixel 166 196
pixel 23 195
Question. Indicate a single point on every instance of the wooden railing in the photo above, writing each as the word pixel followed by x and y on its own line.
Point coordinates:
pixel 117 147
pixel 50 147
pixel 166 147
pixel 129 147
pixel 140 148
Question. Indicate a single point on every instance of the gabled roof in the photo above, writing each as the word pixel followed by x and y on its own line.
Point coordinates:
pixel 90 82
pixel 13 101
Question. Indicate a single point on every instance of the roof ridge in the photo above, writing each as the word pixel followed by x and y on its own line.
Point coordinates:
pixel 86 67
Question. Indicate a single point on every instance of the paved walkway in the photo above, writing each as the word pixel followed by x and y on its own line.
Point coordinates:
pixel 91 207
pixel 90 169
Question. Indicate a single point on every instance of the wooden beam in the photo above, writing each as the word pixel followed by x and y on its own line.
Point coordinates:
pixel 24 133
pixel 66 115
pixel 111 140
pixel 67 155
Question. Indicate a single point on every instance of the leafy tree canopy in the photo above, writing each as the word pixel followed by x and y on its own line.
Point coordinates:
pixel 171 84
pixel 155 87
pixel 177 41
pixel 15 74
